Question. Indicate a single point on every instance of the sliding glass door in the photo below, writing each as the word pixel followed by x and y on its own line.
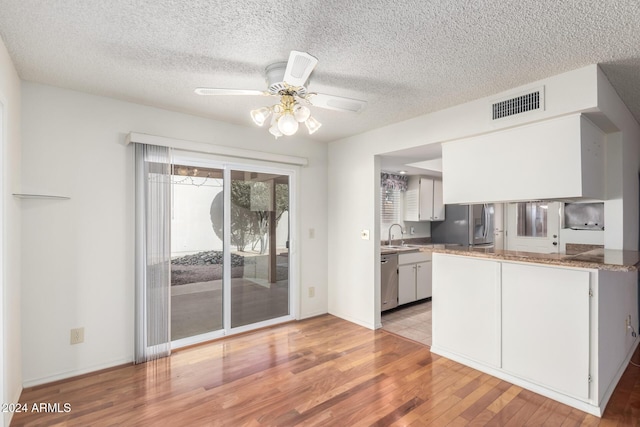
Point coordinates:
pixel 230 231
pixel 259 247
pixel 196 251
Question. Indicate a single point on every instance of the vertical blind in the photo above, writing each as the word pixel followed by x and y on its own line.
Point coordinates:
pixel 153 252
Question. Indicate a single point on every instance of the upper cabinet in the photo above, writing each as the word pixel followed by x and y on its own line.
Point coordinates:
pixel 423 200
pixel 562 158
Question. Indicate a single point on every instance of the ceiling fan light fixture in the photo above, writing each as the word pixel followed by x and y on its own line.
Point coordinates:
pixel 301 113
pixel 273 130
pixel 287 124
pixel 289 80
pixel 312 125
pixel 260 115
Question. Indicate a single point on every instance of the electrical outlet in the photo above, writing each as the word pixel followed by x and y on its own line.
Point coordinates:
pixel 312 291
pixel 77 336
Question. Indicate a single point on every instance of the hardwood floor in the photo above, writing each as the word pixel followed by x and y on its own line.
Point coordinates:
pixel 320 371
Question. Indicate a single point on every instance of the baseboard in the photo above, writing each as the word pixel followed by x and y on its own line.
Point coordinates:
pixel 8 416
pixel 76 373
pixel 616 379
pixel 359 322
pixel 310 315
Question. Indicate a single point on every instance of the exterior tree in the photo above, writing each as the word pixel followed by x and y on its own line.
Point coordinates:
pixel 249 212
pixel 261 196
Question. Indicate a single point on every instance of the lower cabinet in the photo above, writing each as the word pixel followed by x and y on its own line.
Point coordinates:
pixel 414 277
pixel 423 280
pixel 563 332
pixel 466 304
pixel 545 326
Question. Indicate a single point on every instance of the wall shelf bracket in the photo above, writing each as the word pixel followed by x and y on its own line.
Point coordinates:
pixel 40 196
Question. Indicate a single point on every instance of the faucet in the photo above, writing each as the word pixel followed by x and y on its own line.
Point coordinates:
pixel 401 234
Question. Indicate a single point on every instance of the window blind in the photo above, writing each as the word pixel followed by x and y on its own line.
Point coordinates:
pixel 390 201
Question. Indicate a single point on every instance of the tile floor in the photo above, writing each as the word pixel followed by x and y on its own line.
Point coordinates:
pixel 412 321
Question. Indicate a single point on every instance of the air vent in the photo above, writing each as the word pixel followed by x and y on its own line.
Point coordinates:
pixel 530 101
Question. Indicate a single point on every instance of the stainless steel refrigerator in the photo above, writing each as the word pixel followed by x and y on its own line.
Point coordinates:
pixel 467 225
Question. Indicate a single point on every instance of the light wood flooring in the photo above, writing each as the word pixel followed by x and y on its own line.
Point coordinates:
pixel 320 371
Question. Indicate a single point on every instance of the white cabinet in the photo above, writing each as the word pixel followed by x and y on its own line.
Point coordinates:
pixel 545 326
pixel 466 307
pixel 423 280
pixel 423 200
pixel 406 283
pixel 558 331
pixel 414 277
pixel 554 159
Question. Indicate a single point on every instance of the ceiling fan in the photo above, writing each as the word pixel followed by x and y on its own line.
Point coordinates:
pixel 289 80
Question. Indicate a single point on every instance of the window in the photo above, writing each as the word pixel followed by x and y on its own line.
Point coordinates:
pixel 531 219
pixel 390 201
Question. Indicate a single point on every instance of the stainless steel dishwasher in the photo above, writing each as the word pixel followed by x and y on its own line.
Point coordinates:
pixel 388 281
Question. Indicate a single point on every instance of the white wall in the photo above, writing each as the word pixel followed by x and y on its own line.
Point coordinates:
pixel 624 165
pixel 353 207
pixel 191 229
pixel 11 368
pixel 79 267
pixel 420 229
pixel 353 263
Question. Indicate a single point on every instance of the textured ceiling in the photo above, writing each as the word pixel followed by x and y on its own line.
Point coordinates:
pixel 404 58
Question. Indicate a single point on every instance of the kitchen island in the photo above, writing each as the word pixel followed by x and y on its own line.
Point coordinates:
pixel 563 326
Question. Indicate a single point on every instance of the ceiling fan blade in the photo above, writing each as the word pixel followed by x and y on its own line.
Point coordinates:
pixel 299 67
pixel 337 103
pixel 219 91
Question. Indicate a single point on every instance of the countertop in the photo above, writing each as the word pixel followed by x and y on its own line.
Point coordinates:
pixel 600 259
pixel 385 250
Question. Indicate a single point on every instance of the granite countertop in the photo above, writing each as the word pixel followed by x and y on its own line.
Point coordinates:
pixel 600 259
pixel 385 249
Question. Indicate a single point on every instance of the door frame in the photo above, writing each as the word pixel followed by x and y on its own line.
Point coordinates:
pixel 3 194
pixel 227 164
